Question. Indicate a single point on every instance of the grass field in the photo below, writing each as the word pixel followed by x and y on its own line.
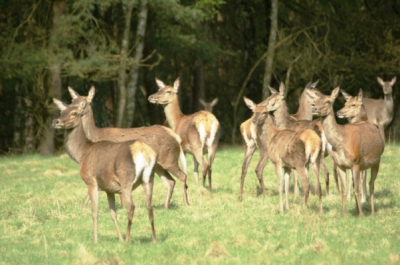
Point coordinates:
pixel 42 220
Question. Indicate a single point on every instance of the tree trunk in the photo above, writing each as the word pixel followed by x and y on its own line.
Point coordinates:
pixel 133 83
pixel 198 85
pixel 271 49
pixel 122 90
pixel 18 120
pixel 47 143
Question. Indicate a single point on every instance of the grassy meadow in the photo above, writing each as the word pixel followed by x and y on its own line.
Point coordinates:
pixel 42 220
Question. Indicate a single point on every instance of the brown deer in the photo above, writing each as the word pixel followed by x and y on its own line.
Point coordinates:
pixel 354 113
pixel 111 167
pixel 380 111
pixel 208 106
pixel 199 131
pixel 248 130
pixel 288 150
pixel 283 121
pixel 161 139
pixel 354 146
pixel 304 111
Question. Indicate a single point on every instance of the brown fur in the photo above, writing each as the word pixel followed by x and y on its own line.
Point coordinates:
pixel 107 166
pixel 188 127
pixel 161 139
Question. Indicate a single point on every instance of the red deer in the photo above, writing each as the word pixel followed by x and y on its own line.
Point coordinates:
pixel 288 150
pixel 161 139
pixel 199 131
pixel 380 111
pixel 354 146
pixel 111 167
pixel 283 121
pixel 208 106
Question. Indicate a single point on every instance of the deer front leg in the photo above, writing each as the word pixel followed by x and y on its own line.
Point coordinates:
pixel 278 171
pixel 342 175
pixel 176 171
pixel 94 197
pixel 287 180
pixel 249 151
pixel 363 176
pixel 168 181
pixel 356 176
pixel 260 169
pixel 326 174
pixel 113 213
pixel 374 174
pixel 315 167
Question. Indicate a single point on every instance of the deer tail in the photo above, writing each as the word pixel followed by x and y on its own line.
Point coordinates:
pixel 144 158
pixel 312 145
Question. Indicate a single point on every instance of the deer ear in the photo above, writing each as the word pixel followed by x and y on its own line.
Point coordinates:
pixel 360 95
pixel 176 84
pixel 393 81
pixel 249 103
pixel 90 96
pixel 73 93
pixel 214 102
pixel 160 83
pixel 380 81
pixel 314 85
pixel 202 102
pixel 273 90
pixel 60 105
pixel 335 93
pixel 282 89
pixel 345 95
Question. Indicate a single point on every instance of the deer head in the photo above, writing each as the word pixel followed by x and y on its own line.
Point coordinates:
pixel 322 105
pixel 166 94
pixel 69 117
pixel 81 102
pixel 353 105
pixel 386 86
pixel 208 106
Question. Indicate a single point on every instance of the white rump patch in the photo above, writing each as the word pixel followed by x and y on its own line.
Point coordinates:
pixel 212 133
pixel 202 134
pixel 144 166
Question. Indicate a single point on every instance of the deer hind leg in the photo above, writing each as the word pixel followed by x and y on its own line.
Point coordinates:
pixel 129 205
pixel 335 176
pixel 278 171
pixel 326 175
pixel 374 174
pixel 302 171
pixel 113 213
pixel 177 172
pixel 260 169
pixel 296 184
pixel 199 158
pixel 94 197
pixel 363 176
pixel 356 176
pixel 249 151
pixel 350 183
pixel 342 174
pixel 315 166
pixel 148 191
pixel 212 149
pixel 287 180
pixel 168 181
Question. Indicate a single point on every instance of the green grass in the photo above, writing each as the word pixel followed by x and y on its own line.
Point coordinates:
pixel 42 220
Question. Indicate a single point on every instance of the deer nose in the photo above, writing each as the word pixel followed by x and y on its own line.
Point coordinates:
pixel 56 122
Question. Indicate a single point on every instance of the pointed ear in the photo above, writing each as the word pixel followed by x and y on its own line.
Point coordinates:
pixel 90 96
pixel 380 81
pixel 346 95
pixel 393 81
pixel 282 89
pixel 360 95
pixel 335 93
pixel 308 85
pixel 202 102
pixel 273 90
pixel 60 105
pixel 214 102
pixel 73 93
pixel 314 85
pixel 160 83
pixel 176 84
pixel 249 103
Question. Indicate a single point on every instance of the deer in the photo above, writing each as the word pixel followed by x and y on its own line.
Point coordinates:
pixel 161 139
pixel 116 168
pixel 356 146
pixel 208 106
pixel 283 121
pixel 199 131
pixel 287 149
pixel 354 113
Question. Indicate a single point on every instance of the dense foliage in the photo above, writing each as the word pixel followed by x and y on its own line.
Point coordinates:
pixel 216 47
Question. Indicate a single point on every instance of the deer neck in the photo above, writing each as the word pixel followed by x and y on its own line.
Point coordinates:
pixel 269 129
pixel 89 126
pixel 281 116
pixel 361 116
pixel 389 103
pixel 332 130
pixel 173 113
pixel 304 112
pixel 75 143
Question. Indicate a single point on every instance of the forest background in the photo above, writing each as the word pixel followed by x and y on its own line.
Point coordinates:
pixel 222 49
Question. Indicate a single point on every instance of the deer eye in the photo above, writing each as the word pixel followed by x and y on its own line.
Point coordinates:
pixel 73 114
pixel 353 105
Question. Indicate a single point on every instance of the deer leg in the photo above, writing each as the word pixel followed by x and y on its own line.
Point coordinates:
pixel 315 166
pixel 350 184
pixel 260 169
pixel 287 179
pixel 326 175
pixel 211 156
pixel 176 171
pixel 94 197
pixel 196 170
pixel 342 175
pixel 363 176
pixel 148 191
pixel 278 171
pixel 296 184
pixel 129 205
pixel 113 213
pixel 168 181
pixel 335 176
pixel 382 131
pixel 302 171
pixel 356 176
pixel 374 174
pixel 249 151
pixel 199 158
pixel 87 199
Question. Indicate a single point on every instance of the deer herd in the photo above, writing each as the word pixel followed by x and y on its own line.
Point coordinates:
pixel 118 160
